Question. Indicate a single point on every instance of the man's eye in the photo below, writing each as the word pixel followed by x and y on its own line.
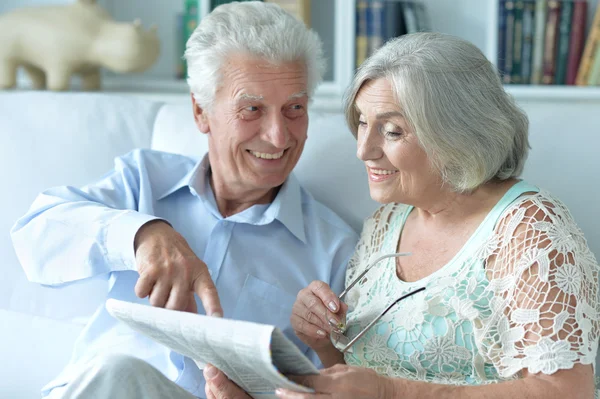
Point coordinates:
pixel 251 108
pixel 296 107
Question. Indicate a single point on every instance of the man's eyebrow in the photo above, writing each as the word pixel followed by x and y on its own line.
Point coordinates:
pixel 300 94
pixel 251 97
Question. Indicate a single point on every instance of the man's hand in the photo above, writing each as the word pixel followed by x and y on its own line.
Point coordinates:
pixel 218 386
pixel 170 272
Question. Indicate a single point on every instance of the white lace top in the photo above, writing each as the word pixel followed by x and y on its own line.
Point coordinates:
pixel 521 294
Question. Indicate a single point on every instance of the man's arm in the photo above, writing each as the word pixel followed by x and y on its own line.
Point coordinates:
pixel 71 234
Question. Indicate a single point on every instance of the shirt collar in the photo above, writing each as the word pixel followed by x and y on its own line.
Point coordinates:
pixel 286 207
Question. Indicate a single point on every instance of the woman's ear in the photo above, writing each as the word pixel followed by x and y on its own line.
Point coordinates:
pixel 200 117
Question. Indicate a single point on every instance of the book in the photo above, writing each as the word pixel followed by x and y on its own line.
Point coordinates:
pixel 576 40
pixel 393 20
pixel 501 51
pixel 527 48
pixel 517 42
pixel 538 42
pixel 550 42
pixel 190 19
pixel 410 17
pixel 592 44
pixel 423 23
pixel 180 41
pixel 298 8
pixel 375 26
pixel 562 42
pixel 362 46
pixel 594 79
pixel 509 10
pixel 257 357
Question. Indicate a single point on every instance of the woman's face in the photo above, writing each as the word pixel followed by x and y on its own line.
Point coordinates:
pixel 398 168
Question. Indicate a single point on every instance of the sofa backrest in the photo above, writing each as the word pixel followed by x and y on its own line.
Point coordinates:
pixel 327 168
pixel 50 139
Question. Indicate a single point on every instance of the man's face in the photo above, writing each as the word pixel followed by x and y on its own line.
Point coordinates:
pixel 257 125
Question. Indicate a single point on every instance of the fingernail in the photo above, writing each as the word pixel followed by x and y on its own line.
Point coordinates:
pixel 279 392
pixel 333 322
pixel 216 314
pixel 332 306
pixel 321 333
pixel 210 372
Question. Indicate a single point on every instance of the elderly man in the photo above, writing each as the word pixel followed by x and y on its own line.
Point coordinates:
pixel 161 227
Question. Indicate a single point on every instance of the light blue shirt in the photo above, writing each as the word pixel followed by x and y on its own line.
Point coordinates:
pixel 259 258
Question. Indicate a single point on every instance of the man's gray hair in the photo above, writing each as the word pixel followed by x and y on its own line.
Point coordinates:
pixel 453 99
pixel 258 29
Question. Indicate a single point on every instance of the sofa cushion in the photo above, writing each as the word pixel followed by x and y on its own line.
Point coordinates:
pixel 51 139
pixel 327 167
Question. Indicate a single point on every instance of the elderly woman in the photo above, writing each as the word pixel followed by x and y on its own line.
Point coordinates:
pixel 510 304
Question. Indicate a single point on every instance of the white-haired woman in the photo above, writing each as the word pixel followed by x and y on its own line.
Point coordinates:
pixel 510 304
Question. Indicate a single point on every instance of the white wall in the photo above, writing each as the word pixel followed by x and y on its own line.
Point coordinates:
pixel 565 141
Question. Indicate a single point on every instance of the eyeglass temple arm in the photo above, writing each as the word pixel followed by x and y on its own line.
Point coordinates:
pixel 379 317
pixel 356 280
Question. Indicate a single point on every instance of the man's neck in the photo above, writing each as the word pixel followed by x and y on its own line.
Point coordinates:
pixel 231 201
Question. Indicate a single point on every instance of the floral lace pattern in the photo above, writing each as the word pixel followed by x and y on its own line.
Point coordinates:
pixel 521 294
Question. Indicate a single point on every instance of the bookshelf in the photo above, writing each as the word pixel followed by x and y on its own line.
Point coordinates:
pixel 334 21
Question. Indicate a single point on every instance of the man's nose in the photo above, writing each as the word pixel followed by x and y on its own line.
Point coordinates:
pixel 276 131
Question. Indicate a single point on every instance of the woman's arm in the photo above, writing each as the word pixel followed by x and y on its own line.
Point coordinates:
pixel 576 383
pixel 346 382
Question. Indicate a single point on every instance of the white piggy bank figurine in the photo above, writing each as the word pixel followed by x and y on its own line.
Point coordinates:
pixel 53 42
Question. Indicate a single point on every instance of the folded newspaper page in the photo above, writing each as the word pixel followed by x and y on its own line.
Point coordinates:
pixel 255 356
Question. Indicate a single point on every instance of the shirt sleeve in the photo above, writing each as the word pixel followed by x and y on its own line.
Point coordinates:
pixel 71 234
pixel 545 309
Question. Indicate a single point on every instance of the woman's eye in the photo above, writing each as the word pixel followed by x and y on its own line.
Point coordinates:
pixel 362 123
pixel 394 135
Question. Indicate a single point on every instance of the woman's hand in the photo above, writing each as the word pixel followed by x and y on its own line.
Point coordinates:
pixel 315 305
pixel 343 382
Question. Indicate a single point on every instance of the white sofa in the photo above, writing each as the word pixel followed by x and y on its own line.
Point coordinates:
pixel 49 139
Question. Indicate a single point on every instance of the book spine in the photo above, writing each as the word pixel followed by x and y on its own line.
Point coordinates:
pixel 527 51
pixel 562 51
pixel 538 42
pixel 517 42
pixel 375 28
pixel 180 42
pixel 509 7
pixel 589 52
pixel 362 46
pixel 594 79
pixel 422 18
pixel 501 38
pixel 190 20
pixel 576 40
pixel 550 42
pixel 394 20
pixel 410 18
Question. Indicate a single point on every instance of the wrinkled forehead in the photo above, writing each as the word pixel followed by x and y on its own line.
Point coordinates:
pixel 256 79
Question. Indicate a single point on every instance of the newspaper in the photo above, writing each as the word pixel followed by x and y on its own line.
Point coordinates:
pixel 255 356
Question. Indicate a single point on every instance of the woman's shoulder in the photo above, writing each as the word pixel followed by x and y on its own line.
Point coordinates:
pixel 540 220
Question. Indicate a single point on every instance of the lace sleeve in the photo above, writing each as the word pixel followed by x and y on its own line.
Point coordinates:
pixel 544 279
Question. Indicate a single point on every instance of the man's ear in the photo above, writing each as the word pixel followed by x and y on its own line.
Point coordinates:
pixel 200 117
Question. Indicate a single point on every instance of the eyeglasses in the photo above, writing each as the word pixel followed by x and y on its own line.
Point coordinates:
pixel 337 337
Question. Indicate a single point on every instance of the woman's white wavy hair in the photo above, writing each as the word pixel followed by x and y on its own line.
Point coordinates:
pixel 453 99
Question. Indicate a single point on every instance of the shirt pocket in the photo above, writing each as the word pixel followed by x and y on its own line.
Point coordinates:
pixel 261 302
